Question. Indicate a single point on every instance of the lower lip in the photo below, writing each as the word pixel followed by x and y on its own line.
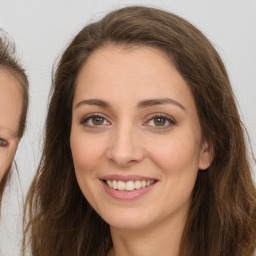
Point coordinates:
pixel 126 195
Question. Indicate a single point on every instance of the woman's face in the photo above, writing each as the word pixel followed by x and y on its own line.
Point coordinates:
pixel 10 112
pixel 135 137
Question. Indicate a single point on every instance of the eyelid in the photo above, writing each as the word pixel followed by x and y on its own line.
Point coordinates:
pixel 85 118
pixel 168 118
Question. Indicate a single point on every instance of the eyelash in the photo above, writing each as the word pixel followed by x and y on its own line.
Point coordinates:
pixel 161 116
pixel 170 122
pixel 3 143
pixel 85 120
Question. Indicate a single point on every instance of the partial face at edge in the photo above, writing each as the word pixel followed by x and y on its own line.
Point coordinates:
pixel 10 113
pixel 134 119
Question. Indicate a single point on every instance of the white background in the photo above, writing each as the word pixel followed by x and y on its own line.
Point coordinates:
pixel 41 29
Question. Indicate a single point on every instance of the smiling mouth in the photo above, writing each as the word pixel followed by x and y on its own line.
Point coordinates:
pixel 129 185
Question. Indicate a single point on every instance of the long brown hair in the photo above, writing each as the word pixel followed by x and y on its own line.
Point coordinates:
pixel 222 216
pixel 10 63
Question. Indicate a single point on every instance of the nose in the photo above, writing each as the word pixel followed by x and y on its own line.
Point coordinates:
pixel 125 148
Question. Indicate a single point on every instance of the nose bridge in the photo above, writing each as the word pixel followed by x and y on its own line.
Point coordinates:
pixel 125 147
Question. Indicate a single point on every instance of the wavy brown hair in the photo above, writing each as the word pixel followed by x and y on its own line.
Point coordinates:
pixel 222 216
pixel 10 63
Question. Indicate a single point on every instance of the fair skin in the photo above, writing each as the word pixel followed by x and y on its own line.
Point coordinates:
pixel 10 112
pixel 135 127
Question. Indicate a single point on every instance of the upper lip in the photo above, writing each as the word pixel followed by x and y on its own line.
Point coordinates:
pixel 125 177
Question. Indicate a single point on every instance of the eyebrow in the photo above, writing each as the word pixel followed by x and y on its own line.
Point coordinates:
pixel 141 104
pixel 97 102
pixel 153 102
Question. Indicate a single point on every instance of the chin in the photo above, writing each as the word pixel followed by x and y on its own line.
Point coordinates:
pixel 127 219
pixel 128 224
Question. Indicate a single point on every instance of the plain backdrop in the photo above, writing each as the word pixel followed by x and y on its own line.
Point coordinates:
pixel 42 29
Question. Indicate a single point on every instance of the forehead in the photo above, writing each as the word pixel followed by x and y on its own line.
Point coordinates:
pixel 10 102
pixel 137 71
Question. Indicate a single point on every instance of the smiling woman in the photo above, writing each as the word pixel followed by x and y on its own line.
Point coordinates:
pixel 144 151
pixel 13 107
pixel 149 138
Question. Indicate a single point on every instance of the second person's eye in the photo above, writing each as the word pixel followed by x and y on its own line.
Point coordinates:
pixel 3 142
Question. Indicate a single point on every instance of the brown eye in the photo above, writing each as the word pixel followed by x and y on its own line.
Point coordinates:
pixel 94 120
pixel 159 121
pixel 97 120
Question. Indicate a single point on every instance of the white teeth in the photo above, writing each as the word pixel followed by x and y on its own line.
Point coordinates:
pixel 129 185
pixel 121 185
pixel 114 184
pixel 109 182
pixel 137 184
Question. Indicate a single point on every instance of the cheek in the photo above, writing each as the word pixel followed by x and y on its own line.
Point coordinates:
pixel 86 151
pixel 3 167
pixel 6 158
pixel 177 160
pixel 176 154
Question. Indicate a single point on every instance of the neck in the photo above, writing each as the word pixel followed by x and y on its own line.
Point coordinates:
pixel 162 239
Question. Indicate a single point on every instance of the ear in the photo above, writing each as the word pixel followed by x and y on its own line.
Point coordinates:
pixel 206 155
